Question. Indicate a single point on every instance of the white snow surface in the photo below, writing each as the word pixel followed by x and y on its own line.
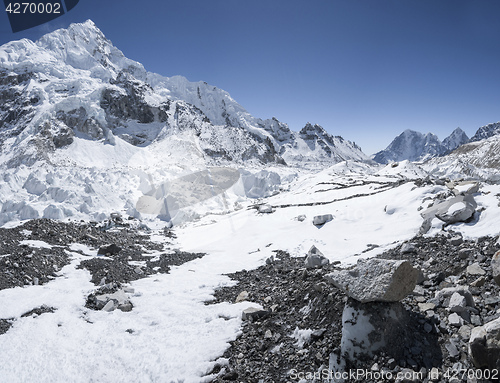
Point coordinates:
pixel 176 337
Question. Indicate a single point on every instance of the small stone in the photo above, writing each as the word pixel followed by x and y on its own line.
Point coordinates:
pixel 111 249
pixel 479 282
pixel 138 270
pixel 253 314
pixel 426 306
pixel 457 303
pixel 457 240
pixel 452 349
pixel 265 209
pixel 408 248
pixel 125 307
pixel 464 332
pixel 110 306
pixel 455 320
pixel 322 219
pixel 475 269
pixel 475 320
pixel 268 334
pixel 301 218
pixel 464 253
pixel 243 296
pixel 427 327
pixel 484 345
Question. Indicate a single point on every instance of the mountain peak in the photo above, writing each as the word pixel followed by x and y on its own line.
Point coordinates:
pixel 486 131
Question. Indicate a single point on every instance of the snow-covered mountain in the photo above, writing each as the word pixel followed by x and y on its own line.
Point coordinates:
pixel 415 146
pixel 85 130
pixel 457 138
pixel 74 82
pixel 486 131
pixel 476 159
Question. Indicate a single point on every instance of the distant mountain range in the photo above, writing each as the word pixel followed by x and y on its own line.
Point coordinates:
pixel 415 146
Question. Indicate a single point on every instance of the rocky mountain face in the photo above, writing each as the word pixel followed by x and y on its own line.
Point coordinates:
pixel 486 131
pixel 74 83
pixel 415 146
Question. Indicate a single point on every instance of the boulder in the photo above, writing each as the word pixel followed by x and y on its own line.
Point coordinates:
pixel 371 327
pixel 495 267
pixel 322 219
pixel 111 249
pixel 376 280
pixel 408 248
pixel 484 345
pixel 457 209
pixel 315 258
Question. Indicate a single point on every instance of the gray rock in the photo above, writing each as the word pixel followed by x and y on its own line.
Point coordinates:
pixel 475 269
pixel 484 345
pixel 111 249
pixel 301 218
pixel 426 306
pixel 452 349
pixel 265 209
pixel 243 296
pixel 456 240
pixel 457 303
pixel 495 267
pixel 465 253
pixel 458 209
pixel 253 314
pixel 315 258
pixel 449 291
pixel 370 327
pixel 322 219
pixel 376 280
pixel 408 248
pixel 110 306
pixel 455 320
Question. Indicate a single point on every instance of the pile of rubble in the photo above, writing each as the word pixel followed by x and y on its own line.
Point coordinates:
pixel 425 311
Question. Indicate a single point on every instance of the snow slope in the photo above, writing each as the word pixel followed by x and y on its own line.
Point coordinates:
pixel 176 337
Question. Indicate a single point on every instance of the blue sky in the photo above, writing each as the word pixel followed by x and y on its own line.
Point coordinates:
pixel 363 69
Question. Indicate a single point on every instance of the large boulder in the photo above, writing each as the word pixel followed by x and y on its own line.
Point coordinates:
pixel 376 280
pixel 457 209
pixel 495 267
pixel 484 345
pixel 367 328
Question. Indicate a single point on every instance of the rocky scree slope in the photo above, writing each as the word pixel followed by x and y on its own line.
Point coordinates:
pixel 302 325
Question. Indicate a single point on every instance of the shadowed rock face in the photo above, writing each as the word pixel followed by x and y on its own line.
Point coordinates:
pixel 484 345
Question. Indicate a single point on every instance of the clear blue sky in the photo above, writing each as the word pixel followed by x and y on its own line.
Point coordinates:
pixel 363 69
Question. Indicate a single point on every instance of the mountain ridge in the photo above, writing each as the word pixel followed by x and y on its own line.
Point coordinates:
pixel 97 90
